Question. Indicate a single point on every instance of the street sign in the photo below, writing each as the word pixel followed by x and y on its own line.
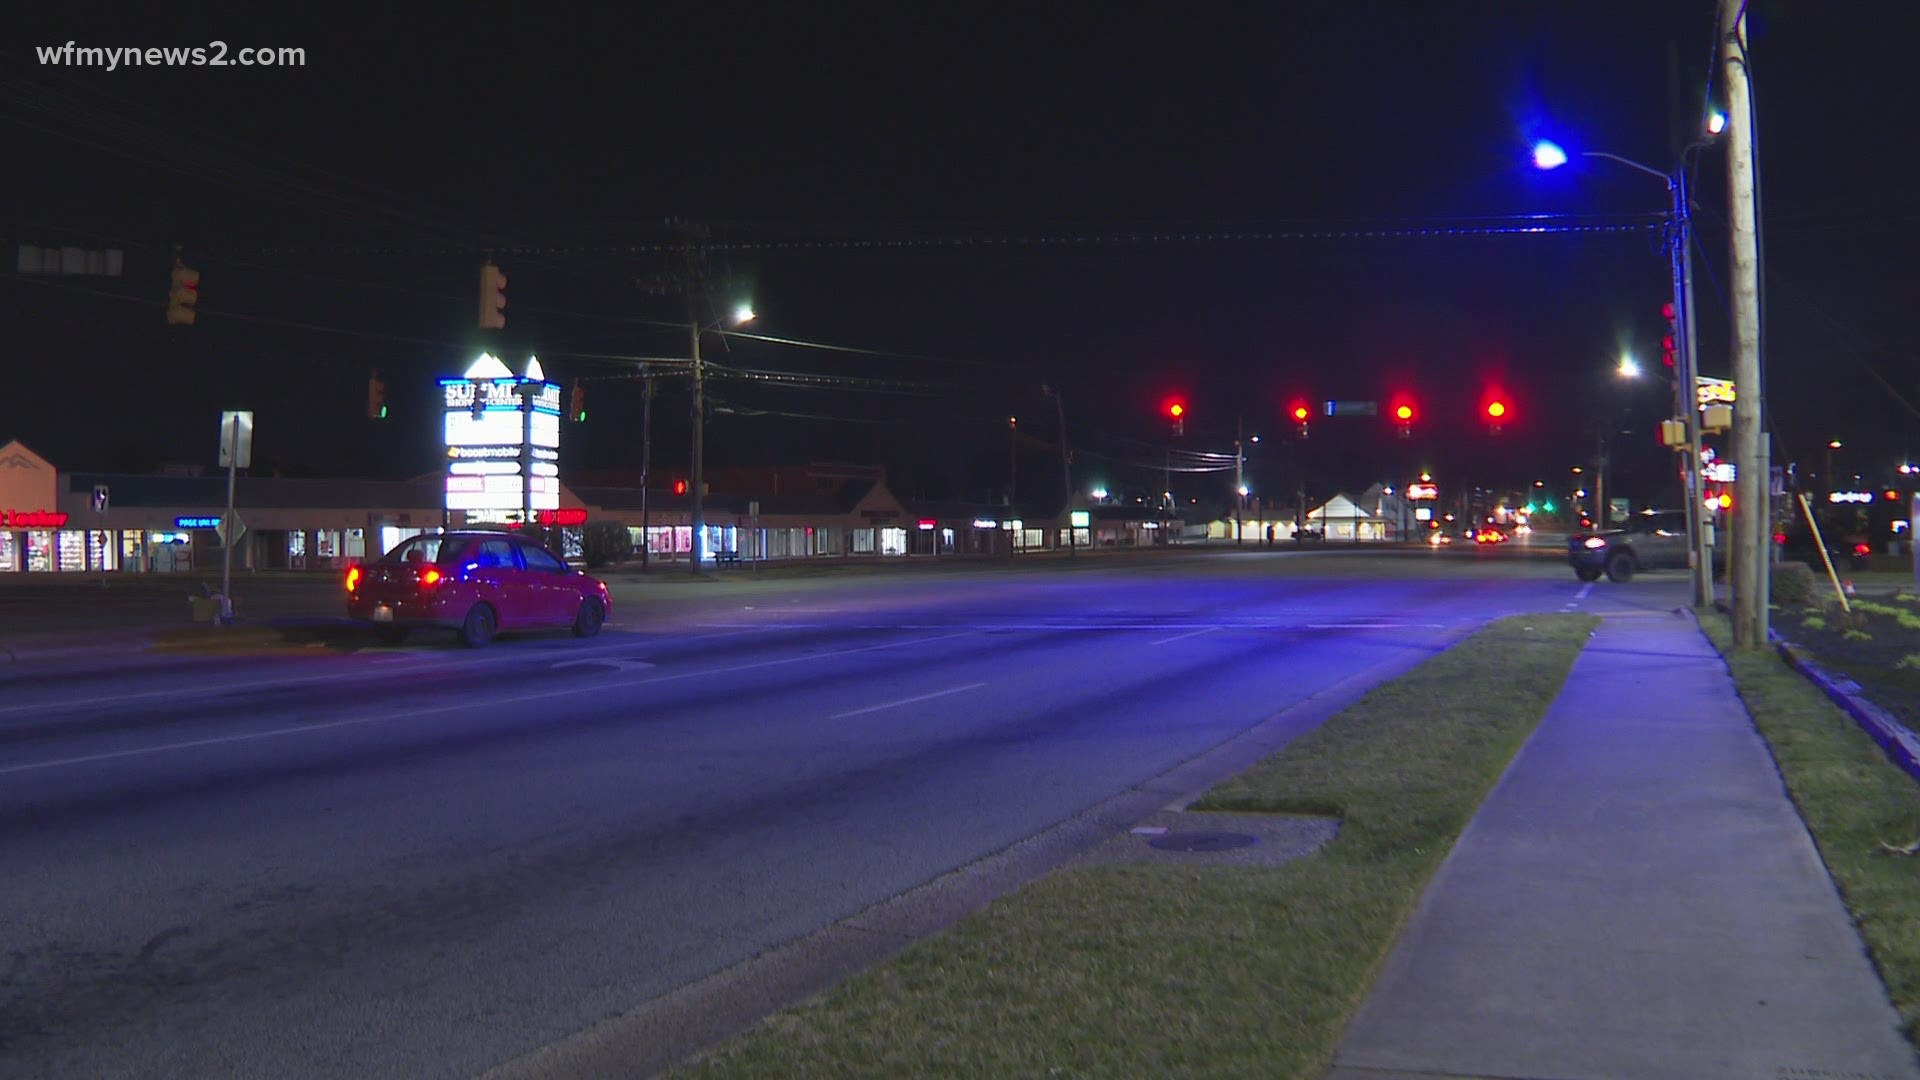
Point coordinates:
pixel 231 525
pixel 1353 410
pixel 1713 391
pixel 1778 484
pixel 236 427
pixel 99 498
pixel 1616 509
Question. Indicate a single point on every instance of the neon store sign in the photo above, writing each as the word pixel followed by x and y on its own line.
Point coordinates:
pixel 33 519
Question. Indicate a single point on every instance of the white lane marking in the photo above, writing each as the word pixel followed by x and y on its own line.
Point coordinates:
pixel 1376 626
pixel 1183 637
pixel 612 662
pixel 427 663
pixel 428 710
pixel 907 701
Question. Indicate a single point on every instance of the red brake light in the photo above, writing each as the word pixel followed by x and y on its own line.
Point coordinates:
pixel 429 577
pixel 1862 549
pixel 353 578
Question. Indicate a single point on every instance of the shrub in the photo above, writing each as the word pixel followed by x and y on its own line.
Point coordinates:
pixel 1909 662
pixel 1792 583
pixel 604 543
pixel 1857 635
pixel 1814 622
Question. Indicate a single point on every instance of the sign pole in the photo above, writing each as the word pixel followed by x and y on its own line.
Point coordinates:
pixel 226 548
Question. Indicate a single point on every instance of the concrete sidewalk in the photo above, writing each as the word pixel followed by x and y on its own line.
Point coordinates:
pixel 1636 898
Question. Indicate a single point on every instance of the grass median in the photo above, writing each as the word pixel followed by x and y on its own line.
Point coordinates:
pixel 1853 800
pixel 1157 970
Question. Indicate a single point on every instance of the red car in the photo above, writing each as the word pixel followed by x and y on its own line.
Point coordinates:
pixel 476 583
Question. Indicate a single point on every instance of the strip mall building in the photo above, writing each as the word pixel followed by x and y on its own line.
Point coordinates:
pixel 135 523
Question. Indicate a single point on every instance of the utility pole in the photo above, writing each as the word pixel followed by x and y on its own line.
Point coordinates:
pixel 699 437
pixel 1239 478
pixel 1688 377
pixel 1749 448
pixel 646 463
pixel 1013 462
pixel 1600 523
pixel 1066 466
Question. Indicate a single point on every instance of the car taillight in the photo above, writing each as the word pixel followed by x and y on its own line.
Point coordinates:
pixel 353 578
pixel 1862 549
pixel 429 578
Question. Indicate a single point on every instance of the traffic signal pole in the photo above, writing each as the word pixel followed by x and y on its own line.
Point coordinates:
pixel 699 437
pixel 1685 381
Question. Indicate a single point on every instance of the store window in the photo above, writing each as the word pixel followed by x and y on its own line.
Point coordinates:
pixel 9 558
pixel 893 541
pixel 40 553
pixel 101 554
pixel 356 546
pixel 72 547
pixel 863 541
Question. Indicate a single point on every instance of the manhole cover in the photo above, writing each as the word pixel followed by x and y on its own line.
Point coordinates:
pixel 1203 841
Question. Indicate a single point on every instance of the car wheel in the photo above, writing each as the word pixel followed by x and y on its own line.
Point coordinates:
pixel 1620 568
pixel 390 635
pixel 1587 573
pixel 477 630
pixel 587 622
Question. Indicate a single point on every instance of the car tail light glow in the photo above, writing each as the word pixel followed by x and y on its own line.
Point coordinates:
pixel 429 577
pixel 1862 549
pixel 1596 541
pixel 353 578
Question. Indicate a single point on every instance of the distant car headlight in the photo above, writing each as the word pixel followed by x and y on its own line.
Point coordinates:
pixel 1596 541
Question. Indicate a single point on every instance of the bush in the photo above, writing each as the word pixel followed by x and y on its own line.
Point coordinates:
pixel 604 543
pixel 1792 583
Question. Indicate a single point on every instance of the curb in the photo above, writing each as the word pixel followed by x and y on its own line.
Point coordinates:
pixel 1900 744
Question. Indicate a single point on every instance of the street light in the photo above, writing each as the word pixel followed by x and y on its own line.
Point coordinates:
pixel 741 314
pixel 1548 155
pixel 1629 367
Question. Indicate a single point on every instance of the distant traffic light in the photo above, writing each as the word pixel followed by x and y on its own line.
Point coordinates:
pixel 577 403
pixel 1497 413
pixel 679 487
pixel 493 298
pixel 1300 413
pixel 1177 412
pixel 184 294
pixel 1670 337
pixel 376 397
pixel 1403 416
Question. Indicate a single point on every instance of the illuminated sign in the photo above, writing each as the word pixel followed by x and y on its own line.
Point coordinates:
pixel 1713 391
pixel 33 519
pixel 572 515
pixel 1353 410
pixel 1423 491
pixel 502 436
pixel 1721 472
pixel 1849 496
pixel 196 523
pixel 1423 513
pixel 985 523
pixel 1080 519
pixel 927 524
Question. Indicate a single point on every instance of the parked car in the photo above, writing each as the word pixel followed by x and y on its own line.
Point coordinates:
pixel 1651 541
pixel 476 583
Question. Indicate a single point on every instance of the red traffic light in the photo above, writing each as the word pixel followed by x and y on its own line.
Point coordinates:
pixel 1176 410
pixel 679 487
pixel 1403 413
pixel 1300 413
pixel 1496 408
pixel 1666 311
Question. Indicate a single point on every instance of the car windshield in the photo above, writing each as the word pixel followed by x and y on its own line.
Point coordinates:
pixel 426 548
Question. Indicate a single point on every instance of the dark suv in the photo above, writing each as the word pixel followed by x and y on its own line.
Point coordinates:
pixel 1651 541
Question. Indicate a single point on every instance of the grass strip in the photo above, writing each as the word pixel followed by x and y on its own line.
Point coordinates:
pixel 1150 970
pixel 1852 798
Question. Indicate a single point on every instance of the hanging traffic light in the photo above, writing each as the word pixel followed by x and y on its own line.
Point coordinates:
pixel 577 403
pixel 1177 412
pixel 1403 416
pixel 679 487
pixel 1670 337
pixel 184 294
pixel 376 397
pixel 493 297
pixel 1300 412
pixel 1497 413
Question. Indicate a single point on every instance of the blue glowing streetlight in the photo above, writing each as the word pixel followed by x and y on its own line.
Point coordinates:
pixel 1548 155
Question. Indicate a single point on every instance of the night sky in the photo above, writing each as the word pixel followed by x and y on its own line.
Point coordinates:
pixel 339 212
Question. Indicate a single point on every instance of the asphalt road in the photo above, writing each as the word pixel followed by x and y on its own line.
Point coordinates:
pixel 425 861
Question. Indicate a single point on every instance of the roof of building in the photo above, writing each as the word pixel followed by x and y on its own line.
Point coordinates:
pixel 133 489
